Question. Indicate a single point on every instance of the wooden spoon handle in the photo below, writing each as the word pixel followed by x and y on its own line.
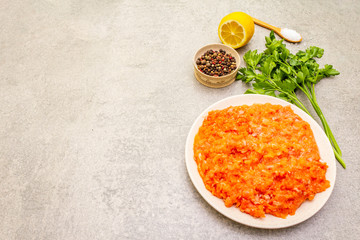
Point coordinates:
pixel 266 25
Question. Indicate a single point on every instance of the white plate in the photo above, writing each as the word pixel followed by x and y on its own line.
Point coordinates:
pixel 306 210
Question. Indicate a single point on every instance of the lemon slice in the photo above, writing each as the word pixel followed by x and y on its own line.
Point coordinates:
pixel 236 29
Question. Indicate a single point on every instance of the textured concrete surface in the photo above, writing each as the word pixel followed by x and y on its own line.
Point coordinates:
pixel 97 98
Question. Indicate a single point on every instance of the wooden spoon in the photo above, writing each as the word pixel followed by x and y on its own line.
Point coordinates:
pixel 275 29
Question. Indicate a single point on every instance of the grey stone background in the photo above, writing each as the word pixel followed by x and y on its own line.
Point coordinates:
pixel 97 98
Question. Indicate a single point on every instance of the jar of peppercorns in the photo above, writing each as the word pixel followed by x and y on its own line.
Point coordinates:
pixel 216 65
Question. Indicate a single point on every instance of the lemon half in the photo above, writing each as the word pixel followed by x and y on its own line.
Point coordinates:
pixel 236 29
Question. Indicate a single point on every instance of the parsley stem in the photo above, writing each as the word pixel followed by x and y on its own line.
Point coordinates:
pixel 292 96
pixel 310 94
pixel 327 129
pixel 324 122
pixel 298 103
pixel 339 158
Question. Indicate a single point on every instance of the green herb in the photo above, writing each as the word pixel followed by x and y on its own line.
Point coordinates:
pixel 278 73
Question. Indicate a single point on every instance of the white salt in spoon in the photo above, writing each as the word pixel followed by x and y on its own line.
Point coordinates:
pixel 287 34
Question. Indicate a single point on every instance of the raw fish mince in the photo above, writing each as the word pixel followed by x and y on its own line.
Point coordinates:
pixel 261 158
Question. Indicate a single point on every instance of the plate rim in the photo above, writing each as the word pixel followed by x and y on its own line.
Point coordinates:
pixel 214 201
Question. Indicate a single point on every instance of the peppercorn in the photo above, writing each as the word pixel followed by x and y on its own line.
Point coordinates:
pixel 216 63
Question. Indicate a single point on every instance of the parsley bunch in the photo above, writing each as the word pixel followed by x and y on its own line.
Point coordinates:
pixel 278 73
